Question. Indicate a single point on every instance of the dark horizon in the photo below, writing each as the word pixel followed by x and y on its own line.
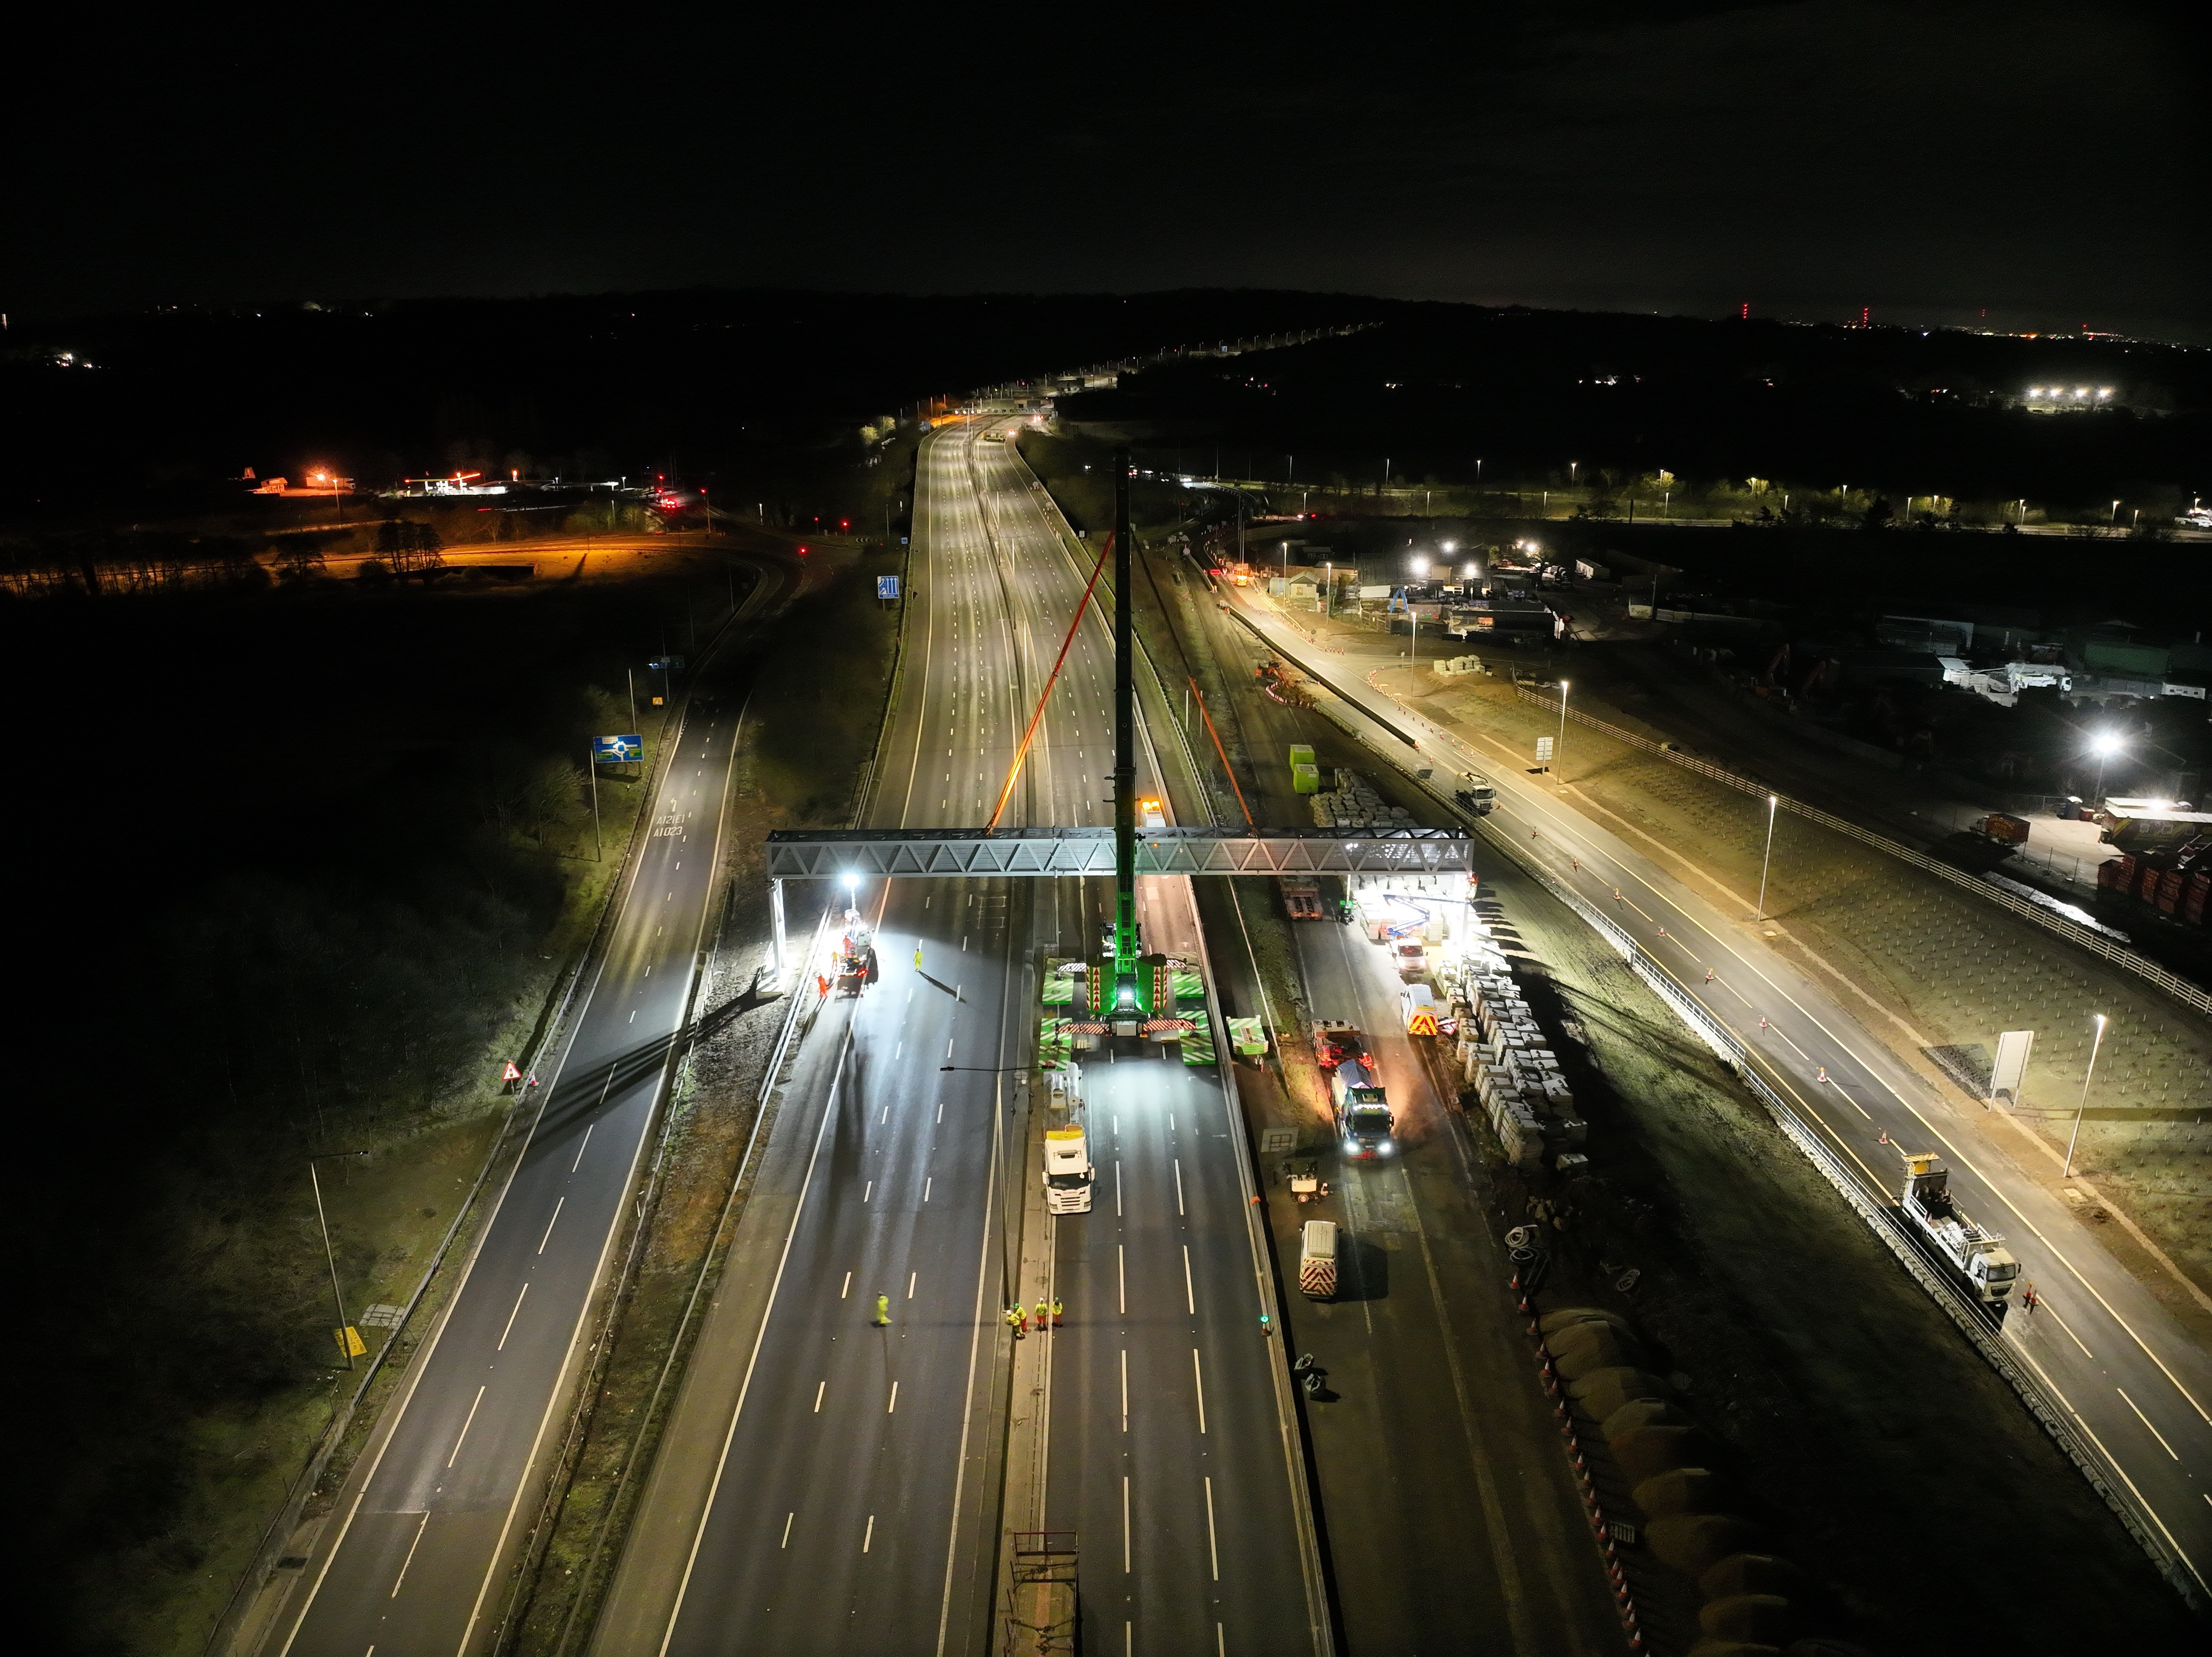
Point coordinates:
pixel 2033 170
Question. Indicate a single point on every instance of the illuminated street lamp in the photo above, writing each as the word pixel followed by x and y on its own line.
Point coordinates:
pixel 1767 862
pixel 2104 747
pixel 1559 746
pixel 2084 1105
pixel 1420 568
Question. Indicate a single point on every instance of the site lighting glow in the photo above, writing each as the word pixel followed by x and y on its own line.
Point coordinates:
pixel 1420 567
pixel 2104 745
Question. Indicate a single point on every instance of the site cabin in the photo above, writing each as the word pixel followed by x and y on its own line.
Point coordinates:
pixel 1364 1122
pixel 1979 1257
pixel 1317 1259
pixel 1067 1171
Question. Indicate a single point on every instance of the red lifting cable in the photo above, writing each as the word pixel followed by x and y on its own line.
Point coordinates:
pixel 1022 752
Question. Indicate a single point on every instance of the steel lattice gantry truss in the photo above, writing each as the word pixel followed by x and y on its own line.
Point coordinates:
pixel 868 854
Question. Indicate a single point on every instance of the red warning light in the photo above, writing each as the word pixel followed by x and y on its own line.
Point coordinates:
pixel 802 552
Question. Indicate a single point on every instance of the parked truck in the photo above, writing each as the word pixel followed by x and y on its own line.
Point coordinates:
pixel 1364 1121
pixel 1334 1041
pixel 855 955
pixel 1301 896
pixel 1067 1171
pixel 1979 1257
pixel 1317 1259
pixel 1476 792
pixel 2003 828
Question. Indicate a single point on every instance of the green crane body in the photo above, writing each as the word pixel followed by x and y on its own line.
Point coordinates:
pixel 1130 998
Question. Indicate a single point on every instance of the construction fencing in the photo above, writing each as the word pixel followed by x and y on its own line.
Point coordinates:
pixel 2190 995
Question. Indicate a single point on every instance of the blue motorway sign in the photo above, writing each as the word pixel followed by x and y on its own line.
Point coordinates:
pixel 617 750
pixel 666 665
pixel 887 586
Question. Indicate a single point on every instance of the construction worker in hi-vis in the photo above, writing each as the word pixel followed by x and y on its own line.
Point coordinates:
pixel 883 1311
pixel 1018 1321
pixel 1057 1309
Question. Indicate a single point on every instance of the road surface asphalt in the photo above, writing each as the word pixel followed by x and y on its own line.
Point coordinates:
pixel 828 1485
pixel 2126 1373
pixel 414 1560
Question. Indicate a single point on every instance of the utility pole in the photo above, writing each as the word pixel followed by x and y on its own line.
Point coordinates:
pixel 330 1255
pixel 591 767
pixel 1560 746
pixel 630 677
pixel 2081 1107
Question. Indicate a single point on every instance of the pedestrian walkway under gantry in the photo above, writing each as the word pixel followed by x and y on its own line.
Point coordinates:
pixel 879 853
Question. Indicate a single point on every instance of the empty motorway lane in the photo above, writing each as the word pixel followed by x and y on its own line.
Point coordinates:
pixel 414 1560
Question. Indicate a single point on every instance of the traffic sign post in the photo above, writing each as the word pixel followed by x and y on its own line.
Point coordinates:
pixel 887 586
pixel 1544 751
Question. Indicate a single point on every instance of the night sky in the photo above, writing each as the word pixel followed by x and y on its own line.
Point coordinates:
pixel 2043 162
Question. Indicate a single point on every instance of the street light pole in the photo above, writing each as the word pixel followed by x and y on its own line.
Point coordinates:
pixel 1773 800
pixel 2084 1105
pixel 330 1255
pixel 1559 746
pixel 592 766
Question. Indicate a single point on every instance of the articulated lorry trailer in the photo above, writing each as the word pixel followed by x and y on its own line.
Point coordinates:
pixel 1067 1171
pixel 1978 1258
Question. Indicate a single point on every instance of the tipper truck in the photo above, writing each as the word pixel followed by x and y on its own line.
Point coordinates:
pixel 1067 1171
pixel 1979 1257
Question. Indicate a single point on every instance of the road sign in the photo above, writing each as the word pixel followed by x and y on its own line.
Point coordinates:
pixel 666 665
pixel 349 1341
pixel 512 1073
pixel 614 750
pixel 1544 750
pixel 887 586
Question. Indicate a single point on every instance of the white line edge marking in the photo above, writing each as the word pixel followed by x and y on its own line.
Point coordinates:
pixel 1125 1524
pixel 511 1317
pixel 868 1540
pixel 1178 1171
pixel 1124 1389
pixel 1198 1378
pixel 476 1405
pixel 1189 1293
pixel 2145 1419
pixel 787 1518
pixel 409 1560
pixel 550 1224
pixel 1213 1543
pixel 891 1409
pixel 588 1127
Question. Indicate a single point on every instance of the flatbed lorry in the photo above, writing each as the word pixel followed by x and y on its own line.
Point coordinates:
pixel 1067 1171
pixel 1978 1258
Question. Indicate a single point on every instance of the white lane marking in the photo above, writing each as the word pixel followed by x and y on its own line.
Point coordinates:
pixel 870 1191
pixel 1125 1524
pixel 409 1560
pixel 1198 1378
pixel 1124 1389
pixel 820 1388
pixel 940 1110
pixel 868 1540
pixel 550 1224
pixel 465 1425
pixel 900 1050
pixel 511 1317
pixel 948 1047
pixel 1121 1278
pixel 1212 1542
pixel 911 1279
pixel 1178 1165
pixel 2145 1419
pixel 1117 1187
pixel 891 1409
pixel 787 1518
pixel 848 1289
pixel 1189 1294
pixel 588 1127
pixel 1220 1641
pixel 886 1115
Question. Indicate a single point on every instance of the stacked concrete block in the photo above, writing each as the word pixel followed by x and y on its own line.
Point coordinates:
pixel 1508 1059
pixel 1353 804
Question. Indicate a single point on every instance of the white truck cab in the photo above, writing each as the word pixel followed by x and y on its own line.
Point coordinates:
pixel 1067 1171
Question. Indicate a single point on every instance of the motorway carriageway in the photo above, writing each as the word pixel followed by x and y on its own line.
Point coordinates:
pixel 414 1562
pixel 2113 1359
pixel 826 1485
